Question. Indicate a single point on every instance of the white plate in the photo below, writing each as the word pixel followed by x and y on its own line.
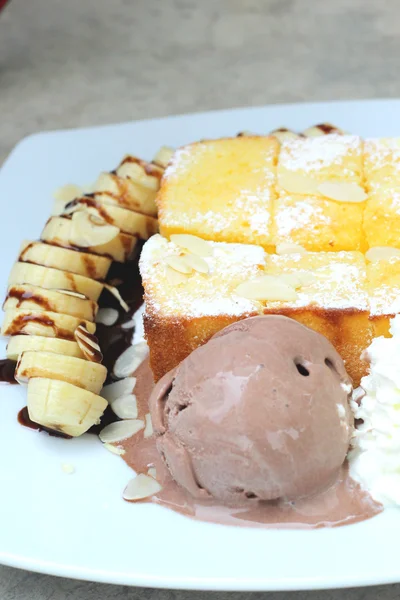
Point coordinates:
pixel 78 525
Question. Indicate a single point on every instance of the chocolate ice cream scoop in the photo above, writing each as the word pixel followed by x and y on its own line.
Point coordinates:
pixel 260 412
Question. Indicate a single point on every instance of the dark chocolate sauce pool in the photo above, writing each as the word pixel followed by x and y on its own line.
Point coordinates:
pixel 25 420
pixel 7 370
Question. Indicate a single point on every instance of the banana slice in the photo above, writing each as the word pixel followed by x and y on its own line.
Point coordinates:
pixel 23 343
pixel 127 193
pixel 48 278
pixel 142 172
pixel 62 406
pixel 62 232
pixel 32 297
pixel 42 322
pixel 78 371
pixel 79 263
pixel 127 221
pixel 163 156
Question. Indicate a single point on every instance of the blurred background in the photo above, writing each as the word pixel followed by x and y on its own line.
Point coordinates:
pixel 70 63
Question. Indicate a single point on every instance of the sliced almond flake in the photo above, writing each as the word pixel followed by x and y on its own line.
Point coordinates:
pixel 85 339
pixel 177 263
pixel 120 430
pixel 107 316
pixel 381 253
pixel 142 486
pixel 290 279
pixel 289 248
pixel 194 244
pixel 148 431
pixel 130 360
pixel 125 407
pixel 71 293
pixel 163 156
pixel 297 184
pixel 128 324
pixel 115 449
pixel 342 191
pixel 67 192
pixel 115 390
pixel 84 232
pixel 152 472
pixel 266 289
pixel 197 263
pixel 307 278
pixel 115 292
pixel 175 277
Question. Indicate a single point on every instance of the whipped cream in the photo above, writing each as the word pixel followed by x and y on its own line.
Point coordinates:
pixel 375 457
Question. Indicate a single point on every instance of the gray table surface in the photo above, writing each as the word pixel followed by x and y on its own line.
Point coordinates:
pixel 69 63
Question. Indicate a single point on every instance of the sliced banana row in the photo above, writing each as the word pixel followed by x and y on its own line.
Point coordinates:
pixel 51 303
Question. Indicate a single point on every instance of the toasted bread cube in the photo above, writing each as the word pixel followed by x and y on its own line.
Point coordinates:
pixel 305 163
pixel 381 221
pixel 383 281
pixel 180 317
pixel 221 190
pixel 183 313
pixel 318 224
pixel 382 163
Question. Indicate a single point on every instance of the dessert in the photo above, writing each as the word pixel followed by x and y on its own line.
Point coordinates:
pixel 250 422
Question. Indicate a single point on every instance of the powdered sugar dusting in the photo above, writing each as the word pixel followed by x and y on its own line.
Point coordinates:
pixel 230 197
pixel 314 154
pixel 385 295
pixel 338 279
pixel 202 295
pixel 251 211
pixel 385 300
pixel 301 215
pixel 183 159
pixel 380 151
